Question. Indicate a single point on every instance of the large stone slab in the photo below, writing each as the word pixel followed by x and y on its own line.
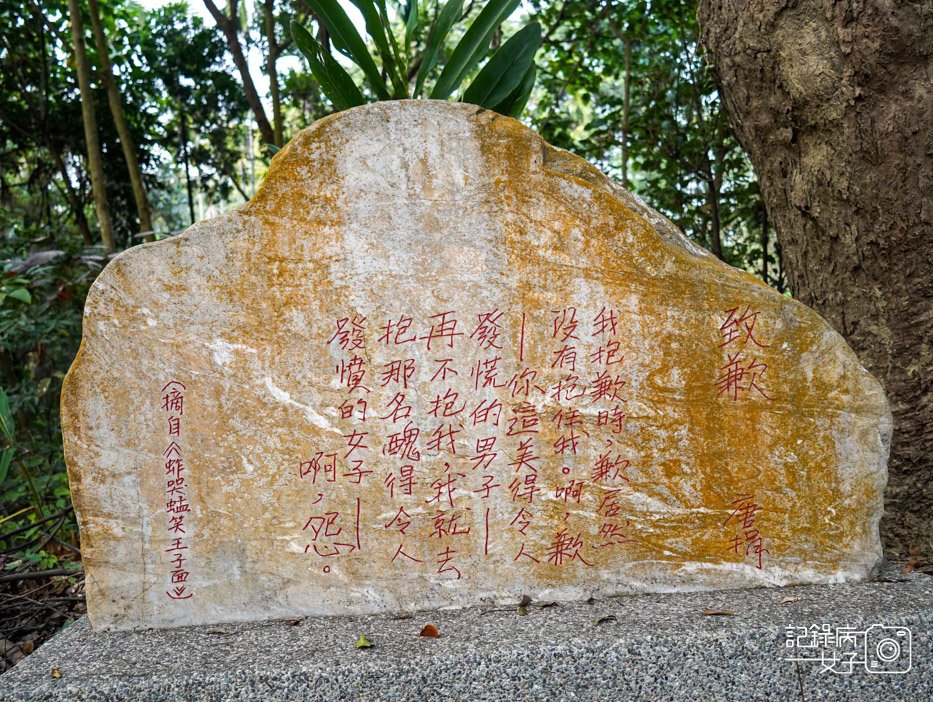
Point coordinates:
pixel 437 362
pixel 645 647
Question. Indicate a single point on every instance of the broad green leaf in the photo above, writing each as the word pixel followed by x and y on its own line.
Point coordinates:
pixel 5 458
pixel 273 149
pixel 506 69
pixel 377 30
pixel 311 48
pixel 411 21
pixel 472 47
pixel 513 105
pixel 342 81
pixel 348 41
pixel 387 23
pixel 335 82
pixel 21 294
pixel 363 642
pixel 445 20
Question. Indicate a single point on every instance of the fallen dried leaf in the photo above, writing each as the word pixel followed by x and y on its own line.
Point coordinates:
pixel 429 630
pixel 525 601
pixel 790 598
pixel 523 611
pixel 27 647
pixel 56 673
pixel 607 618
pixel 722 612
pixel 363 642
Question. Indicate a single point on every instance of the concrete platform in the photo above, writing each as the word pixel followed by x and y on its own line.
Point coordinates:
pixel 645 647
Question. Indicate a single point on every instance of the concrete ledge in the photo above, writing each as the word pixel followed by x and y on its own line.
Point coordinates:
pixel 655 647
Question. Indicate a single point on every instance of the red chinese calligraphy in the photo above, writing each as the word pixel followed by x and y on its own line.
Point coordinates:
pixel 744 511
pixel 443 330
pixel 488 330
pixel 177 507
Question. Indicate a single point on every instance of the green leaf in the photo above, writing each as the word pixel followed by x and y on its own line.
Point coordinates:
pixel 311 48
pixel 472 47
pixel 6 418
pixel 445 20
pixel 5 458
pixel 342 81
pixel 243 16
pixel 273 149
pixel 411 21
pixel 335 82
pixel 21 294
pixel 506 69
pixel 348 41
pixel 377 30
pixel 42 386
pixel 387 23
pixel 363 642
pixel 513 105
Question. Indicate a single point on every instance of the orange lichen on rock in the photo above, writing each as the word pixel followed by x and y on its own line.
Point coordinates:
pixel 437 362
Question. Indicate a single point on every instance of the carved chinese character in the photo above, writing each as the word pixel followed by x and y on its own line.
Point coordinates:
pixel 443 330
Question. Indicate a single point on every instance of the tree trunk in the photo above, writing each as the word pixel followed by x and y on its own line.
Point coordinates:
pixel 119 120
pixel 94 161
pixel 780 284
pixel 74 200
pixel 764 243
pixel 626 107
pixel 183 138
pixel 715 238
pixel 831 98
pixel 712 198
pixel 228 27
pixel 272 72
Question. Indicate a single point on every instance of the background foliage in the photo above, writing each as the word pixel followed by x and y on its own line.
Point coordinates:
pixel 619 83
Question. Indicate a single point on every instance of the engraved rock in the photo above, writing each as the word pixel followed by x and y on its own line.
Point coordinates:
pixel 437 362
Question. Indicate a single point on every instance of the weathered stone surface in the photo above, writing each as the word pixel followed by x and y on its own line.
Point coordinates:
pixel 752 449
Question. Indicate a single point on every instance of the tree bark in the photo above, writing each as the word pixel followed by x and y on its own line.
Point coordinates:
pixel 119 120
pixel 764 243
pixel 712 198
pixel 229 28
pixel 272 71
pixel 95 163
pixel 74 200
pixel 626 107
pixel 831 98
pixel 183 139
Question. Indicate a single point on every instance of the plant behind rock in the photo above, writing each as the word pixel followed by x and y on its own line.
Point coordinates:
pixel 503 84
